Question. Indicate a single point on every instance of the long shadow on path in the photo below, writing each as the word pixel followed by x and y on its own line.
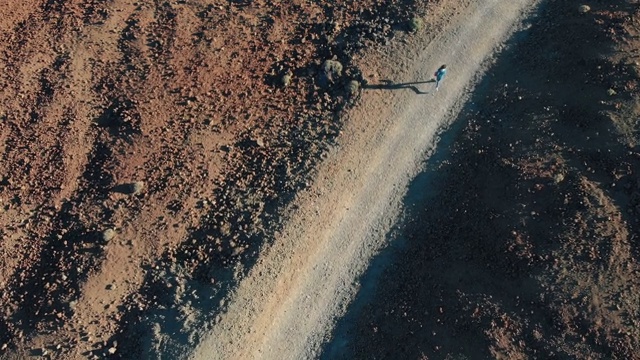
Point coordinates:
pixel 390 85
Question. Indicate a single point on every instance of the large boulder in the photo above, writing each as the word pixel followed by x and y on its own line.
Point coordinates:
pixel 330 72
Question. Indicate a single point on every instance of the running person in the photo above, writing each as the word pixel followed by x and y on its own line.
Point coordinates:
pixel 439 75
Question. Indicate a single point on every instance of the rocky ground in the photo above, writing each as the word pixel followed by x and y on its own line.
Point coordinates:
pixel 148 148
pixel 526 246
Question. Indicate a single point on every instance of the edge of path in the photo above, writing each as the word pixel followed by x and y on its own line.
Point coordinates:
pixel 289 302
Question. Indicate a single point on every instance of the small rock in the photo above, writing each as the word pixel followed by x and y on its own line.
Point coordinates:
pixel 611 92
pixel 107 235
pixel 415 24
pixel 137 187
pixel 558 178
pixel 112 350
pixel 583 9
pixel 286 79
pixel 352 87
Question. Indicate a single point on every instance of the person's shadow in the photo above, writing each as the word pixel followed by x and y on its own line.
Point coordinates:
pixel 390 85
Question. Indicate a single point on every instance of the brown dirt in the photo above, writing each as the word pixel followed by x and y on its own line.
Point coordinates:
pixel 185 98
pixel 528 247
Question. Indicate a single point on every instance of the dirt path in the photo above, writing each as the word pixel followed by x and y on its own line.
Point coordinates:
pixel 303 282
pixel 525 245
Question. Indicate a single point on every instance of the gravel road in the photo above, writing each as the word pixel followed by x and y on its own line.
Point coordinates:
pixel 288 304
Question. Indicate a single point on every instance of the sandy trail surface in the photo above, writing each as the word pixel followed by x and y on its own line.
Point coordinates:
pixel 289 302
